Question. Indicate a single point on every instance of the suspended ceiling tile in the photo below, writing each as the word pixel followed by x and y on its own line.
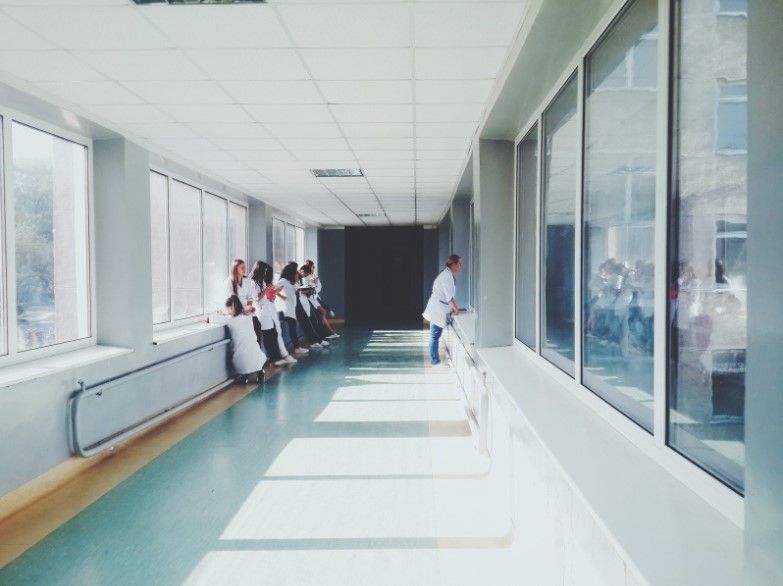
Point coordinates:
pixel 90 27
pixel 46 66
pixel 373 113
pixel 485 24
pixel 459 63
pixel 273 92
pixel 366 64
pixel 229 130
pixel 162 130
pixel 179 92
pixel 206 113
pixel 16 37
pixel 169 64
pixel 219 27
pixel 449 112
pixel 367 92
pixel 131 113
pixel 297 130
pixel 442 91
pixel 91 92
pixel 250 64
pixel 377 130
pixel 289 113
pixel 381 144
pixel 354 26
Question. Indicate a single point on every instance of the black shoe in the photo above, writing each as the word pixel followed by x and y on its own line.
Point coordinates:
pixel 261 377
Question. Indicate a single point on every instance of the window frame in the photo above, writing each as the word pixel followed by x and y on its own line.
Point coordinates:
pixel 717 494
pixel 721 83
pixel 288 223
pixel 203 189
pixel 12 355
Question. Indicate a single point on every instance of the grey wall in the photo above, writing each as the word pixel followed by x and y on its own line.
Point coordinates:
pixel 260 249
pixel 460 244
pixel 493 196
pixel 430 263
pixel 331 268
pixel 764 399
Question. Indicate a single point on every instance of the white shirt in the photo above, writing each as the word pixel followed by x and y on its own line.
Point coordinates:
pixel 316 283
pixel 247 355
pixel 244 291
pixel 438 307
pixel 287 305
pixel 265 309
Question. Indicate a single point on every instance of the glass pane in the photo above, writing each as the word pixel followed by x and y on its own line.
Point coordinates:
pixel 300 246
pixel 619 214
pixel 278 246
pixel 3 326
pixel 185 222
pixel 708 307
pixel 237 225
pixel 527 221
pixel 216 263
pixel 559 213
pixel 159 217
pixel 290 243
pixel 52 273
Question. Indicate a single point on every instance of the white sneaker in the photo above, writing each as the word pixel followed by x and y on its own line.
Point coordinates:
pixel 324 343
pixel 301 351
pixel 281 362
pixel 290 359
pixel 333 337
pixel 316 345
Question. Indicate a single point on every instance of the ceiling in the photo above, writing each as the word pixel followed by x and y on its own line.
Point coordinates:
pixel 256 95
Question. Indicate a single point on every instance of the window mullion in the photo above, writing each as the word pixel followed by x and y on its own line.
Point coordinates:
pixel 10 239
pixel 578 222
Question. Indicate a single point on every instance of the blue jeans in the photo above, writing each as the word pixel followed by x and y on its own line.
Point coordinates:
pixel 435 332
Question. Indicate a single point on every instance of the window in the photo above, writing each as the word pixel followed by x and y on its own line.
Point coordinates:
pixel 51 239
pixel 732 132
pixel 559 212
pixel 159 217
pixel 237 232
pixel 733 7
pixel 287 244
pixel 216 261
pixel 527 224
pixel 619 213
pixel 195 236
pixel 708 291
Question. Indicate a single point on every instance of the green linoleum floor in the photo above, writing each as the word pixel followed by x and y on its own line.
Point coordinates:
pixel 359 448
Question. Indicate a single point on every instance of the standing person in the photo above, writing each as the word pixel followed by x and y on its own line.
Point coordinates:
pixel 304 311
pixel 247 357
pixel 264 295
pixel 286 304
pixel 441 304
pixel 311 298
pixel 238 284
pixel 318 302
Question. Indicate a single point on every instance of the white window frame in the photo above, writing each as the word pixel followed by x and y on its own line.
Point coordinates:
pixel 285 223
pixel 717 494
pixel 203 189
pixel 719 84
pixel 7 217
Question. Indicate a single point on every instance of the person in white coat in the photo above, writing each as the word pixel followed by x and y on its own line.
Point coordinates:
pixel 264 295
pixel 441 303
pixel 286 304
pixel 247 357
pixel 318 302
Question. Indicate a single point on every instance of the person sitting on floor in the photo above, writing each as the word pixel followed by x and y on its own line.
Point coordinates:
pixel 247 356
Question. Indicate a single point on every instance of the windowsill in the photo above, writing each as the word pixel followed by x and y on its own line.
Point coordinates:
pixel 177 333
pixel 663 528
pixel 35 369
pixel 465 327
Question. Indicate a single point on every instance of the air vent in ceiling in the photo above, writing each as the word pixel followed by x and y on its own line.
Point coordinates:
pixel 195 2
pixel 337 172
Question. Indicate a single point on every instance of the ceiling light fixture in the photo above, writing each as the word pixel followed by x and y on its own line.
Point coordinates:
pixel 337 172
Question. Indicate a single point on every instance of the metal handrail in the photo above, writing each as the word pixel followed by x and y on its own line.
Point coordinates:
pixel 74 401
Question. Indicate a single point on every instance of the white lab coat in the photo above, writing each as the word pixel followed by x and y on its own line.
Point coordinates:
pixel 443 290
pixel 247 355
pixel 265 309
pixel 318 286
pixel 244 291
pixel 287 305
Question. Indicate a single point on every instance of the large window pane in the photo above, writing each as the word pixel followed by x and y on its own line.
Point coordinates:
pixel 3 325
pixel 278 246
pixel 290 243
pixel 159 217
pixel 619 216
pixel 185 222
pixel 52 273
pixel 300 246
pixel 216 263
pixel 237 226
pixel 708 306
pixel 560 132
pixel 527 221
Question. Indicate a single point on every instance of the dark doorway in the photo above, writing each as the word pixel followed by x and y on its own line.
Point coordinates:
pixel 383 276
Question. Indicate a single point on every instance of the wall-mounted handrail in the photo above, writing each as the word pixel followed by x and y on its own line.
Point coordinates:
pixel 75 400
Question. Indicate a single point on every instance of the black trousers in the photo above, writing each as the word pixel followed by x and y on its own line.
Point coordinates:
pixel 290 324
pixel 310 332
pixel 270 345
pixel 318 323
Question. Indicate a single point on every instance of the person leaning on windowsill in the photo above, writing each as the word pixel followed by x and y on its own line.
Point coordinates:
pixel 441 304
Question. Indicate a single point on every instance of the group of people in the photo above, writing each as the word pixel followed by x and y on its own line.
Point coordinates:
pixel 263 309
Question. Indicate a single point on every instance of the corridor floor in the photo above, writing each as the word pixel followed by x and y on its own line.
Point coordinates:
pixel 356 466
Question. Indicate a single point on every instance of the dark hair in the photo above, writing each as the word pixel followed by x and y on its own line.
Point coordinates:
pixel 234 303
pixel 261 274
pixel 289 272
pixel 307 269
pixel 453 259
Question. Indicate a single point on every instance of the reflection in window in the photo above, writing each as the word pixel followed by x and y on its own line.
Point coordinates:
pixel 278 246
pixel 216 263
pixel 559 210
pixel 185 222
pixel 300 245
pixel 733 7
pixel 51 236
pixel 708 304
pixel 237 232
pixel 619 216
pixel 732 136
pixel 159 217
pixel 527 221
